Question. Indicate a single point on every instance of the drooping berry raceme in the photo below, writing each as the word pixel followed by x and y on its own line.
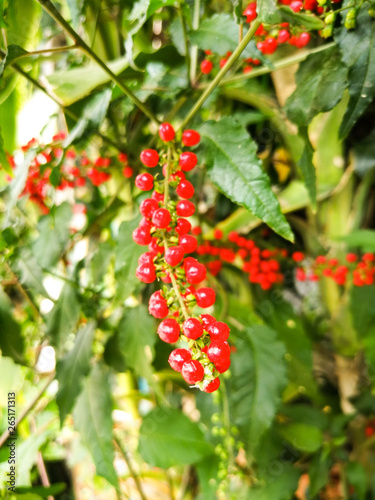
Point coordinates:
pixel 165 229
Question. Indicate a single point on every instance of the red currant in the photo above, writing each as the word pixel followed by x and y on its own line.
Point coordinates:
pixel 178 357
pixel 223 366
pixel 150 158
pixel 185 189
pixel 141 236
pixel 174 255
pixel 212 386
pixel 169 330
pixel 185 208
pixel 148 207
pixel 158 306
pixel 161 218
pixel 188 243
pixel 218 331
pixel 218 351
pixel 190 138
pixel 183 226
pixel 146 273
pixel 146 258
pixel 283 36
pixel 188 161
pixel 166 132
pixel 207 320
pixel 205 297
pixel 195 272
pixel 144 182
pixel 192 371
pixel 206 66
pixel 192 328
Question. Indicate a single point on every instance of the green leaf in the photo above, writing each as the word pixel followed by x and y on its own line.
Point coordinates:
pixel 258 379
pixel 268 12
pixel 3 157
pixel 53 235
pixel 27 452
pixel 75 7
pixel 357 47
pixel 100 262
pixel 307 168
pixel 62 319
pixel 126 259
pixel 218 33
pixel 362 300
pixel 11 340
pixel 91 117
pixel 186 442
pixel 235 169
pixel 72 369
pixel 137 337
pixel 93 420
pixel 357 477
pixel 13 52
pixel 364 239
pixel 29 271
pixel 320 466
pixel 42 491
pixel 278 481
pixel 303 437
pixel 321 81
pixel 207 470
pixel 308 21
pixel 364 154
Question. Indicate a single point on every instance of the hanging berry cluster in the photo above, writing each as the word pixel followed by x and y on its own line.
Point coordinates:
pixel 165 229
pixel 59 168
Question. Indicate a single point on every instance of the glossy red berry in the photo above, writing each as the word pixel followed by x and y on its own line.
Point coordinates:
pixel 185 189
pixel 161 218
pixel 146 273
pixel 127 172
pixel 190 138
pixel 185 208
pixel 283 36
pixel 298 256
pixel 178 357
pixel 192 371
pixel 192 328
pixel 250 12
pixel 207 320
pixel 195 272
pixel 351 257
pixel 218 331
pixel 154 247
pixel 146 258
pixel 169 330
pixel 159 197
pixel 223 366
pixel 183 226
pixel 296 5
pixel 157 306
pixel 141 236
pixel 218 351
pixel 144 182
pixel 188 243
pixel 148 207
pixel 166 132
pixel 174 255
pixel 206 66
pixel 302 40
pixel 212 386
pixel 149 158
pixel 187 161
pixel 205 297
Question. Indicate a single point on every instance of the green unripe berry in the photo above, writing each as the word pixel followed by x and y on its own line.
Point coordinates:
pixel 350 24
pixel 352 14
pixel 327 31
pixel 322 3
pixel 330 18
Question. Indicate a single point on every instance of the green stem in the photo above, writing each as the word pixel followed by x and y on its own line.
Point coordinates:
pixel 46 51
pixel 55 14
pixel 218 78
pixel 186 44
pixel 194 49
pixel 131 470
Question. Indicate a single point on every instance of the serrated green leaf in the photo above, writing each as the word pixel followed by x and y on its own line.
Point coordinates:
pixel 258 379
pixel 11 340
pixel 62 319
pixel 218 33
pixel 235 169
pixel 93 419
pixel 137 337
pixel 357 48
pixel 303 437
pixel 3 157
pixel 321 81
pixel 186 442
pixel 126 259
pixel 72 368
pixel 308 21
pixel 54 234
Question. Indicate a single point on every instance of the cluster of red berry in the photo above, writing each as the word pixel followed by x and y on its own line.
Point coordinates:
pixel 165 229
pixel 361 271
pixel 73 169
pixel 268 38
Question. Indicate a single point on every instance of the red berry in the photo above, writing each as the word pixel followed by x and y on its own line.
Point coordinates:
pixel 350 257
pixel 192 371
pixel 146 273
pixel 127 172
pixel 188 243
pixel 144 182
pixel 161 218
pixel 205 297
pixel 283 36
pixel 302 40
pixel 206 66
pixel 148 207
pixel 223 366
pixel 185 189
pixel 218 352
pixel 174 255
pixel 159 197
pixel 146 258
pixel 145 224
pixel 123 157
pixel 149 157
pixel 154 247
pixel 190 138
pixel 218 234
pixel 169 330
pixel 212 386
pixel 187 161
pixel 269 45
pixel 141 236
pixel 192 328
pixel 250 12
pixel 195 272
pixel 218 331
pixel 207 320
pixel 166 132
pixel 183 226
pixel 296 5
pixel 298 256
pixel 178 357
pixel 158 306
pixel 185 208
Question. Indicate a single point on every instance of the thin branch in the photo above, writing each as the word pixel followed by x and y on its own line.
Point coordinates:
pixel 218 78
pixel 124 453
pixel 55 14
pixel 194 49
pixel 46 51
pixel 186 43
pixel 28 409
pixel 23 291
